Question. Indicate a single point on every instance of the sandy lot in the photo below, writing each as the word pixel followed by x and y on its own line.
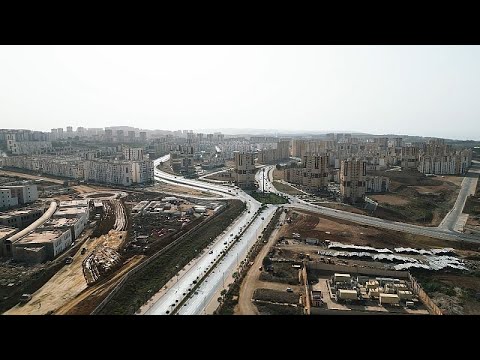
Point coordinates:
pixel 390 199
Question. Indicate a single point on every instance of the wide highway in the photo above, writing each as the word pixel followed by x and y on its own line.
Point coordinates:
pixel 194 271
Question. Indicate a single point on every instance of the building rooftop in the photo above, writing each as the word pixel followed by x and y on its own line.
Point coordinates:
pixel 38 237
pixel 70 211
pixel 6 231
pixel 74 203
pixel 6 215
pixel 60 222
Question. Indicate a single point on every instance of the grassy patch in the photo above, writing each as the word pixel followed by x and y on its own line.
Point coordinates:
pixel 149 280
pixel 276 296
pixel 287 189
pixel 269 198
pixel 275 309
pixel 282 273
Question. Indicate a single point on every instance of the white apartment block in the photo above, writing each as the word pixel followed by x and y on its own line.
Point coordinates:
pixel 6 199
pixel 123 173
pixel 133 153
pixel 18 194
pixel 28 147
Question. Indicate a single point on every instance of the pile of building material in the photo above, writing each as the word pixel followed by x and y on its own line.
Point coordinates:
pixel 101 262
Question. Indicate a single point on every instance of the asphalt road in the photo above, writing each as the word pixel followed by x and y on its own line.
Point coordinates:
pixel 194 272
pixel 216 279
pixel 469 185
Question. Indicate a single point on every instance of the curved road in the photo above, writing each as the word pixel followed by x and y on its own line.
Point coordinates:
pixel 208 290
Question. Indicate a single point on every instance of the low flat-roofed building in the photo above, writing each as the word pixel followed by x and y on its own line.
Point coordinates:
pixel 76 225
pixel 53 241
pixel 5 233
pixel 316 298
pixel 20 218
pixel 71 212
pixel 74 203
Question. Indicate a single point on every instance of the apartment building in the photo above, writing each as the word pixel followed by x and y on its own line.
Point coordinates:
pixel 409 157
pixel 17 195
pixel 20 218
pixel 353 175
pixel 442 160
pixel 244 170
pixel 28 147
pixel 377 184
pixel 313 172
pixel 133 153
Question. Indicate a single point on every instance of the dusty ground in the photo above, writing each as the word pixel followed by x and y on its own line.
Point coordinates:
pixel 64 286
pixel 86 301
pixel 168 188
pixel 312 225
pixel 457 294
pixel 390 199
pixel 344 207
pixel 277 174
pixel 251 282
pixel 28 176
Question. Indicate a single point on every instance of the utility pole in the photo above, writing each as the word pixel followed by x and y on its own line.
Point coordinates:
pixel 263 174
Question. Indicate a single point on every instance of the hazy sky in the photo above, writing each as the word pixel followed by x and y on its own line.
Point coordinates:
pixel 416 90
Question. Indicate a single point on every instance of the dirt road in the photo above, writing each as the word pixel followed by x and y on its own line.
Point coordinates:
pixel 85 302
pixel 64 286
pixel 28 176
pixel 251 282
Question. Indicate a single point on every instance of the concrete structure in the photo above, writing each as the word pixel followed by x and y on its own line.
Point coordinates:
pixel 20 218
pixel 28 147
pixel 313 172
pixel 5 233
pixel 376 184
pixel 17 195
pixel 353 175
pixel 409 158
pixel 133 153
pixel 346 294
pixel 391 299
pixel 41 245
pixel 6 199
pixel 244 170
pixel 316 296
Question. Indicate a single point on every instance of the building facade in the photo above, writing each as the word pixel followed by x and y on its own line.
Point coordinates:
pixel 245 170
pixel 353 175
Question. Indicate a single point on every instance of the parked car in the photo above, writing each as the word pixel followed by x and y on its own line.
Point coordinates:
pixel 69 260
pixel 25 298
pixel 289 290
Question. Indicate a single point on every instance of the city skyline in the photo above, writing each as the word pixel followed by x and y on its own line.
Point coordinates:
pixel 415 90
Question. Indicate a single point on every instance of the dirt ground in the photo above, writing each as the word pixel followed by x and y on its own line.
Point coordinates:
pixel 87 300
pixel 64 286
pixel 390 199
pixel 251 280
pixel 32 177
pixel 168 188
pixel 277 174
pixel 313 225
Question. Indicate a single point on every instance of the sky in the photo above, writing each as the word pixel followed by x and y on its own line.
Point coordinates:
pixel 411 90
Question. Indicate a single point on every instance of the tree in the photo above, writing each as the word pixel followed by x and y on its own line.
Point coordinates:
pixel 278 167
pixel 266 262
pixel 223 292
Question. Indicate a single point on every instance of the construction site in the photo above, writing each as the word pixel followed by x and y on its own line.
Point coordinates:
pixel 318 265
pixel 122 230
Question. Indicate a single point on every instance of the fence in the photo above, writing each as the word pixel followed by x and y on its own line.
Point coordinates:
pixel 417 288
